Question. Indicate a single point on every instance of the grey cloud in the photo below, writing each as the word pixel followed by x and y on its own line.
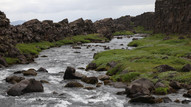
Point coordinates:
pixel 73 9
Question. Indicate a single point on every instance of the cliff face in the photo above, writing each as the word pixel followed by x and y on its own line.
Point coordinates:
pixel 146 20
pixel 173 16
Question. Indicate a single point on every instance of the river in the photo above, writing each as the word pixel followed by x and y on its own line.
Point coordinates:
pixel 56 62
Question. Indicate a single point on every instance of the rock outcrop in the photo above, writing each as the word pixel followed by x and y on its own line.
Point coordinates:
pixel 146 20
pixel 173 16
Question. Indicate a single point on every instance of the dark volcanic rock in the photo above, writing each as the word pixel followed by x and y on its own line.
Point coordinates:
pixel 172 16
pixel 34 86
pixel 175 85
pixel 73 84
pixel 188 94
pixel 164 68
pixel 71 73
pixel 91 66
pixel 143 99
pixel 186 68
pixel 18 88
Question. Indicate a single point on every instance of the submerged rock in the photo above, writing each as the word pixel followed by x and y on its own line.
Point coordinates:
pixel 14 79
pixel 42 70
pixel 74 84
pixel 30 72
pixel 144 99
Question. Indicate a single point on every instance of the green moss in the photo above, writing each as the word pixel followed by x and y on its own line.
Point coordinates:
pixel 161 90
pixel 152 51
pixel 140 29
pixel 123 33
pixel 11 61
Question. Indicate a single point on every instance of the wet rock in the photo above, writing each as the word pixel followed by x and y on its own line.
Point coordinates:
pixel 139 87
pixel 188 94
pixel 119 37
pixel 82 68
pixel 98 84
pixel 166 99
pixel 42 70
pixel 103 77
pixel 106 48
pixel 19 72
pixel 44 81
pixel 76 47
pixel 107 82
pixel 91 66
pixel 121 93
pixel 44 56
pixel 177 101
pixel 175 85
pixel 14 79
pixel 89 88
pixel 135 39
pixel 74 84
pixel 18 88
pixel 77 52
pixel 186 68
pixel 70 73
pixel 144 99
pixel 121 44
pixel 34 86
pixel 164 68
pixel 90 80
pixel 30 72
pixel 186 101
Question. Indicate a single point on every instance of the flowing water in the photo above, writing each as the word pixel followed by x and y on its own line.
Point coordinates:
pixel 56 62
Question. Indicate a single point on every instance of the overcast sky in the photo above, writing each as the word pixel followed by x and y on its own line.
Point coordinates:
pixel 73 9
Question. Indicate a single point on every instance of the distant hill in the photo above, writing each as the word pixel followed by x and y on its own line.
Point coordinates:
pixel 18 22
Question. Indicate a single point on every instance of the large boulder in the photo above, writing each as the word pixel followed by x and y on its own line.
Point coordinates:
pixel 175 85
pixel 18 88
pixel 25 86
pixel 14 79
pixel 90 80
pixel 139 87
pixel 71 73
pixel 34 86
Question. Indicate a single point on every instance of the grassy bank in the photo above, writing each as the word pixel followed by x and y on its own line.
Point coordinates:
pixel 123 33
pixel 35 48
pixel 140 29
pixel 140 62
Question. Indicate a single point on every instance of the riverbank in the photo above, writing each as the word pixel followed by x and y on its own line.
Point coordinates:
pixel 158 57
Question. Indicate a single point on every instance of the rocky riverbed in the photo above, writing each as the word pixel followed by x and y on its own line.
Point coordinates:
pixel 56 61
